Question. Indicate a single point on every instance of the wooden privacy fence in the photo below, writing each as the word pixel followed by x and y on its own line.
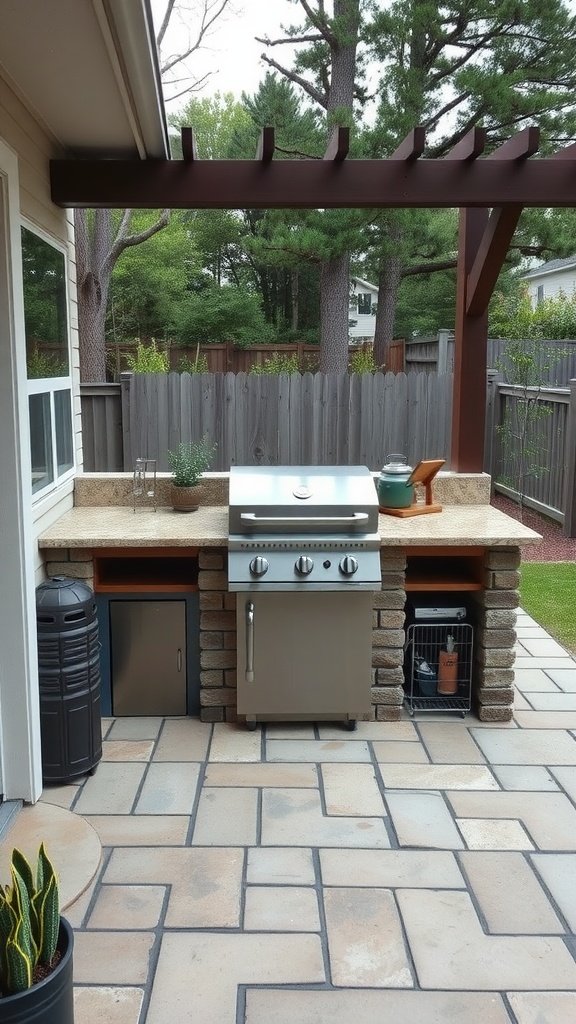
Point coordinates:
pixel 531 446
pixel 288 419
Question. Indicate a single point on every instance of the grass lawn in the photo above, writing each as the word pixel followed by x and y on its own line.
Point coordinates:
pixel 548 594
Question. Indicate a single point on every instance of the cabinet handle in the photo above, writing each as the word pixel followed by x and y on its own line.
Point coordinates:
pixel 179 659
pixel 249 642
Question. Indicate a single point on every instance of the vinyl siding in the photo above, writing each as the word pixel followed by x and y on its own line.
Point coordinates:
pixel 34 148
pixel 554 282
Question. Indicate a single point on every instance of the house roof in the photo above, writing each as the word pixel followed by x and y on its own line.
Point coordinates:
pixel 88 71
pixel 550 267
pixel 364 284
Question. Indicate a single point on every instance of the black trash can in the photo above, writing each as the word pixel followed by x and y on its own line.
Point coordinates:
pixel 69 679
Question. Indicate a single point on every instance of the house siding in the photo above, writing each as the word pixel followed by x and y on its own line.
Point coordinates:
pixel 553 282
pixel 34 149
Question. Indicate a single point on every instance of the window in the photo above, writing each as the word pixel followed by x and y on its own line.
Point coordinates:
pixel 47 361
pixel 364 303
pixel 540 294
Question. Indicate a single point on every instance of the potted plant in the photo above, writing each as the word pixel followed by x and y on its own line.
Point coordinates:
pixel 36 946
pixel 188 462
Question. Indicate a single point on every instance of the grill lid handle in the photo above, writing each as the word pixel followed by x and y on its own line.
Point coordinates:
pixel 356 517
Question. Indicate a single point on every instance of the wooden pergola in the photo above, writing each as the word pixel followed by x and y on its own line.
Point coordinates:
pixel 489 191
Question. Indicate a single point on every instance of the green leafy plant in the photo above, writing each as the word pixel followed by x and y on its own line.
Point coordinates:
pixel 148 359
pixel 277 363
pixel 197 365
pixel 362 361
pixel 190 460
pixel 44 364
pixel 29 923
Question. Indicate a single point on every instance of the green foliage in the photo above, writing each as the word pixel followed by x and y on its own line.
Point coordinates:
pixel 148 359
pixel 149 280
pixel 222 314
pixel 197 365
pixel 29 922
pixel 190 460
pixel 41 364
pixel 277 363
pixel 362 361
pixel 220 123
pixel 513 317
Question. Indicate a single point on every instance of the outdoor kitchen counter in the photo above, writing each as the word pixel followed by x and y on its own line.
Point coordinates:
pixel 120 526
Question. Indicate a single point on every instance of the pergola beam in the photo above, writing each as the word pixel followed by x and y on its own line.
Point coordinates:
pixel 339 145
pixel 412 147
pixel 470 146
pixel 519 147
pixel 189 149
pixel 490 257
pixel 313 184
pixel 266 145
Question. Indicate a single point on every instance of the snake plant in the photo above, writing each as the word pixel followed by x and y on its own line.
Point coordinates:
pixel 29 923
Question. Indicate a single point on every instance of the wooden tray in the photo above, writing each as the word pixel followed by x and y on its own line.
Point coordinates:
pixel 423 473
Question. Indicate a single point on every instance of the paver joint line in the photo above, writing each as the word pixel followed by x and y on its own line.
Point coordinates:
pixel 421 870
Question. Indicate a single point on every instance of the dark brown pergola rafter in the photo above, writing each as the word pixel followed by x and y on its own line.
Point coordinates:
pixel 504 182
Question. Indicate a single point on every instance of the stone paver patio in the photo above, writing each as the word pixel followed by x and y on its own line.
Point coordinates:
pixel 421 871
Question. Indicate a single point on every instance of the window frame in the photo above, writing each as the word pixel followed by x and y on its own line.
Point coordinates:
pixel 51 385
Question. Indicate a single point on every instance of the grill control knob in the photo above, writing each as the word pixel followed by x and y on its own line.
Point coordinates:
pixel 259 565
pixel 304 565
pixel 348 565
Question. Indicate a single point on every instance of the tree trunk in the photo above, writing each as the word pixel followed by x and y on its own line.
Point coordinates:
pixel 93 282
pixel 388 284
pixel 334 303
pixel 92 303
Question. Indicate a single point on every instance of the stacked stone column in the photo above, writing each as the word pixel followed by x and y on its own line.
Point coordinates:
pixel 73 562
pixel 495 636
pixel 217 638
pixel 388 638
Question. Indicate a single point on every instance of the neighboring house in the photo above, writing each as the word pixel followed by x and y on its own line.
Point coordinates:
pixel 362 311
pixel 76 77
pixel 548 280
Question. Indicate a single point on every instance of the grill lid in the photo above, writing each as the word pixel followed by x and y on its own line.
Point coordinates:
pixel 302 499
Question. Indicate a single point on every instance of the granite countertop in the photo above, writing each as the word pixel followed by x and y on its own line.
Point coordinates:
pixel 120 526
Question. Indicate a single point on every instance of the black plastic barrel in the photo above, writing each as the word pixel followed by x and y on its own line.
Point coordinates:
pixel 69 678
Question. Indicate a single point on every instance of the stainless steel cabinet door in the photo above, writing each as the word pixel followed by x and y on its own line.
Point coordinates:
pixel 148 655
pixel 304 654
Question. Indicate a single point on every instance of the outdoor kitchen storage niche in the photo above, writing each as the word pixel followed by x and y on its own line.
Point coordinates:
pixel 304 557
pixel 438 654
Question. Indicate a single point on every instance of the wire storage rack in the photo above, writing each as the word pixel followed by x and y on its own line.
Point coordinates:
pixel 426 688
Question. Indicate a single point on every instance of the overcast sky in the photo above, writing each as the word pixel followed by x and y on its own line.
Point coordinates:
pixel 230 52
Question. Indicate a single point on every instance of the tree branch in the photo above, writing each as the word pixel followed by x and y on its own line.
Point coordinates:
pixel 428 268
pixel 206 23
pixel 319 20
pixel 290 39
pixel 165 23
pixel 298 80
pixel 123 240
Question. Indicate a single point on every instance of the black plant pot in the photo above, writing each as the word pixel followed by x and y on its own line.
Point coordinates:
pixel 50 1001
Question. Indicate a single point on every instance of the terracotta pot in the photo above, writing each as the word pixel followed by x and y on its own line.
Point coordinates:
pixel 50 1001
pixel 186 499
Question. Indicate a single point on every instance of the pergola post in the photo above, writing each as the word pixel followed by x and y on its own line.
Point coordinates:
pixel 470 347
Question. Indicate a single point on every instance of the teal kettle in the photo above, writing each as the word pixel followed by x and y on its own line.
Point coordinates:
pixel 394 487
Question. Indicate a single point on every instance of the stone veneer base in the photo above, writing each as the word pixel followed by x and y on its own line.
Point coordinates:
pixel 494 635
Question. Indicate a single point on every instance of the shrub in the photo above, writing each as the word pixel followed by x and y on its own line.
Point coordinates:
pixel 277 363
pixel 148 359
pixel 362 361
pixel 223 314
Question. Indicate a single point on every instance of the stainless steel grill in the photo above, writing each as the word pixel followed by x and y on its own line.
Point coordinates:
pixel 304 555
pixel 303 527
